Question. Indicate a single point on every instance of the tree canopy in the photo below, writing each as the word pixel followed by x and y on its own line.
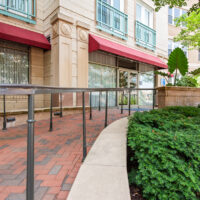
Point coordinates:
pixel 190 33
pixel 175 3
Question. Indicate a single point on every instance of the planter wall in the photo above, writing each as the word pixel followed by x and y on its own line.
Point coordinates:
pixel 178 96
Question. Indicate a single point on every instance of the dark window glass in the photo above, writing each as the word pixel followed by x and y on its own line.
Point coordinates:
pixel 170 18
pixel 176 13
pixel 14 65
pixel 199 55
pixel 117 4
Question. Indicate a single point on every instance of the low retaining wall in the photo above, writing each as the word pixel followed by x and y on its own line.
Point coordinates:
pixel 178 96
pixel 103 175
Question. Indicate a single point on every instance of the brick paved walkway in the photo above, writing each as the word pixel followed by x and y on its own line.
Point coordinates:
pixel 58 155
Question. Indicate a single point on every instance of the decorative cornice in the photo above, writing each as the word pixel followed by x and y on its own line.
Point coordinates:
pixel 62 17
pixel 82 25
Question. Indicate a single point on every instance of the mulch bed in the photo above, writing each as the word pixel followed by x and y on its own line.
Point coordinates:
pixel 135 193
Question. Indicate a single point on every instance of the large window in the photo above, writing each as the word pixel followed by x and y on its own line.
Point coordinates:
pixel 174 13
pixel 145 34
pixel 144 15
pixel 14 64
pixel 146 80
pixel 172 45
pixel 102 77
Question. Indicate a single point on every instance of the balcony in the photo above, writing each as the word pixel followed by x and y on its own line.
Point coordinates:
pixel 20 9
pixel 145 36
pixel 111 20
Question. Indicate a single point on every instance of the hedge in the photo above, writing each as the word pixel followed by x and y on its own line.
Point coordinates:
pixel 165 153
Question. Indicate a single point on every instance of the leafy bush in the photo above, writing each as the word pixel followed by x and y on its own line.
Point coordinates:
pixel 165 153
pixel 187 81
pixel 177 61
pixel 125 100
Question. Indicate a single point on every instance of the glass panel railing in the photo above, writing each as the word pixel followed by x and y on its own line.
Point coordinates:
pixel 145 36
pixel 111 20
pixel 21 9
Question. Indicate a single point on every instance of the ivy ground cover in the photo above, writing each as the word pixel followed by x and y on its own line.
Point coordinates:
pixel 164 153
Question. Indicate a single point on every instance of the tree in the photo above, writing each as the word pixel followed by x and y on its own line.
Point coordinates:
pixel 190 34
pixel 173 3
pixel 177 61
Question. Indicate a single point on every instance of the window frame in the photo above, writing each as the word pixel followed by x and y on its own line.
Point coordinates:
pixel 175 45
pixel 182 12
pixel 199 54
pixel 144 10
pixel 112 3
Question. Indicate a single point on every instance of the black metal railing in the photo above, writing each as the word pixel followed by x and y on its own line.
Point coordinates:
pixel 32 90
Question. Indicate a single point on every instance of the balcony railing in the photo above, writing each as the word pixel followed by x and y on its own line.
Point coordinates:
pixel 111 20
pixel 20 9
pixel 145 36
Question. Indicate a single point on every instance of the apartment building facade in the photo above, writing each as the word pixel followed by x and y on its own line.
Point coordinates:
pixel 88 43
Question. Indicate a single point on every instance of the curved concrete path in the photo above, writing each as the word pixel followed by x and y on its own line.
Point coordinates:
pixel 103 175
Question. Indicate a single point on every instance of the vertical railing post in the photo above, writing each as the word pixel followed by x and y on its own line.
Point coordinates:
pixel 27 8
pixel 6 4
pixel 154 94
pixel 90 105
pixel 106 110
pixel 99 101
pixel 61 109
pixel 4 113
pixel 30 150
pixel 51 114
pixel 122 102
pixel 129 103
pixel 34 8
pixel 84 128
pixel 116 100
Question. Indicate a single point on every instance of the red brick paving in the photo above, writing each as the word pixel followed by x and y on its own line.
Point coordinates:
pixel 58 155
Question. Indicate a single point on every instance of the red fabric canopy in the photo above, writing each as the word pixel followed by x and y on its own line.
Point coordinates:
pixel 16 34
pixel 97 43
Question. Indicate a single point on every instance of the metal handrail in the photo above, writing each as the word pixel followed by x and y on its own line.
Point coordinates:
pixel 32 90
pixel 22 89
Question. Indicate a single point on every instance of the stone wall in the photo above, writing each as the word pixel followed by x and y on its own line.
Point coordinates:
pixel 178 96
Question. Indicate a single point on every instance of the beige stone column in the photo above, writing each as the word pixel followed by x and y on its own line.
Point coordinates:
pixel 62 26
pixel 82 30
pixel 61 54
pixel 37 72
pixel 82 40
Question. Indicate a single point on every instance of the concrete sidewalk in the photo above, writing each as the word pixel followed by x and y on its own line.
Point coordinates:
pixel 103 175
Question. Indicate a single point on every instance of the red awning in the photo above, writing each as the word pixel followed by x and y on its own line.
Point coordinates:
pixel 97 43
pixel 16 34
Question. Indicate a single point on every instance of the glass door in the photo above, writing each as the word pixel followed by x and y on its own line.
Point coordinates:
pixel 128 79
pixel 146 96
pixel 102 77
pixel 123 83
pixel 133 84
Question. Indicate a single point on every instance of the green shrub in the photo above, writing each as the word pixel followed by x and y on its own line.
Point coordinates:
pixel 165 153
pixel 187 81
pixel 125 100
